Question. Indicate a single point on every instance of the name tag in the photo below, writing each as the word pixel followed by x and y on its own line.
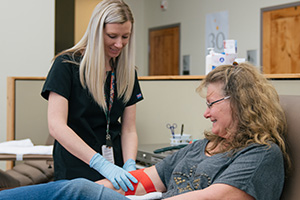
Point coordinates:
pixel 108 153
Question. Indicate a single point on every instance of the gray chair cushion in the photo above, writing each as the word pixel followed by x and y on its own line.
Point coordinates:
pixel 42 165
pixel 27 173
pixel 291 107
pixel 31 172
pixel 22 179
pixel 7 181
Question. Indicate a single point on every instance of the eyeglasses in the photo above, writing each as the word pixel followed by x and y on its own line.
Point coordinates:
pixel 209 105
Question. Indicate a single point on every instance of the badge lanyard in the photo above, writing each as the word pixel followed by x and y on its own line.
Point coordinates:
pixel 111 100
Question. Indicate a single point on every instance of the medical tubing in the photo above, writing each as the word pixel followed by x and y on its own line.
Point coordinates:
pixel 116 175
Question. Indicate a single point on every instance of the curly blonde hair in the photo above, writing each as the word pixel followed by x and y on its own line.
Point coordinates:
pixel 255 105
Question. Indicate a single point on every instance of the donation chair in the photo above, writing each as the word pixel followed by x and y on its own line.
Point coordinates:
pixel 291 107
pixel 28 173
pixel 34 170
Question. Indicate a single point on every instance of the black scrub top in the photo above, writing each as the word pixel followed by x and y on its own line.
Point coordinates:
pixel 86 118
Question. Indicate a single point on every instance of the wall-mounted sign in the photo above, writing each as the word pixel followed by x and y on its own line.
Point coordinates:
pixel 216 30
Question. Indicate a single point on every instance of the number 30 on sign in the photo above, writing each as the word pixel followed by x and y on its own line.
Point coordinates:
pixel 216 30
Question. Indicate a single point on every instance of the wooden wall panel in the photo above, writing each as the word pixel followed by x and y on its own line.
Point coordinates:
pixel 164 51
pixel 281 41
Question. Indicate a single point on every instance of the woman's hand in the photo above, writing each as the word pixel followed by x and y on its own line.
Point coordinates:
pixel 140 190
pixel 116 175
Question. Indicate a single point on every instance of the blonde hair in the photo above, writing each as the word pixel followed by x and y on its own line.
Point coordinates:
pixel 255 105
pixel 92 65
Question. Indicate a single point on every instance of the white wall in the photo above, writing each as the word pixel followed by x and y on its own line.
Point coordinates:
pixel 138 9
pixel 26 43
pixel 169 102
pixel 244 25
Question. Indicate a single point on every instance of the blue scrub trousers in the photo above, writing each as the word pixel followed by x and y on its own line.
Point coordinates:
pixel 79 188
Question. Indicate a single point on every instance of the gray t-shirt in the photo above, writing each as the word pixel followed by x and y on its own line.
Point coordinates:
pixel 257 169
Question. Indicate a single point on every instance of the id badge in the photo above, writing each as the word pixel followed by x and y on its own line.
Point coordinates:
pixel 108 153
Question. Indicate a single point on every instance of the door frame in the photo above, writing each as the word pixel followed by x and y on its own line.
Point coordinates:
pixel 179 41
pixel 262 10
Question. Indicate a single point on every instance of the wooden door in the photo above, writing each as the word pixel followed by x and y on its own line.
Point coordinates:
pixel 164 51
pixel 281 40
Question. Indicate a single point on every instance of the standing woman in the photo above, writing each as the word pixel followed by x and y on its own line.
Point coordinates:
pixel 89 88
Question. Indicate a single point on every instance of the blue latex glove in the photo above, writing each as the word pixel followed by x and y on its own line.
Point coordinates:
pixel 116 175
pixel 129 165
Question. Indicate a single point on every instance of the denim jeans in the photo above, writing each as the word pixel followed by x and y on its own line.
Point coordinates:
pixel 80 188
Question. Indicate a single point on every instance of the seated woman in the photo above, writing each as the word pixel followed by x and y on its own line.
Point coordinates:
pixel 243 156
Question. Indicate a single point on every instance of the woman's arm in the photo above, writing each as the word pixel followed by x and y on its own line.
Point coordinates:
pixel 152 174
pixel 214 192
pixel 129 135
pixel 58 128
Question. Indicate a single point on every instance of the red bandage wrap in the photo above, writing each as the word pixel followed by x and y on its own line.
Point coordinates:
pixel 142 178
